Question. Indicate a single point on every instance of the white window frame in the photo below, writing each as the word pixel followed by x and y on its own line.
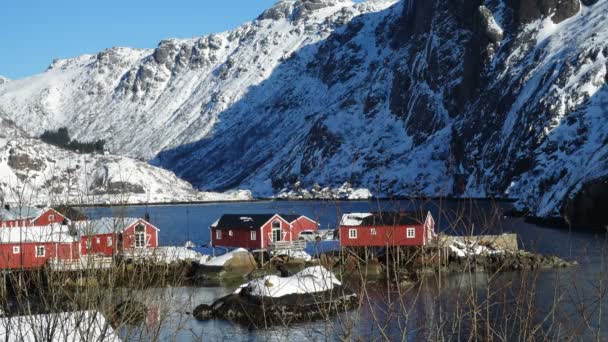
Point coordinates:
pixel 98 240
pixel 218 234
pixel 253 235
pixel 38 248
pixel 16 249
pixel 109 241
pixel 51 218
pixel 352 233
pixel 411 232
pixel 140 237
pixel 230 233
pixel 373 231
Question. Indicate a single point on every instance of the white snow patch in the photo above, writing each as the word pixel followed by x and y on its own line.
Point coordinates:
pixel 50 233
pixel 310 280
pixel 293 254
pixel 223 259
pixel 353 219
pixel 65 326
pixel 168 254
pixel 469 249
pixel 360 194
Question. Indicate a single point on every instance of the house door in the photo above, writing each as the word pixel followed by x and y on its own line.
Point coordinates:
pixel 276 231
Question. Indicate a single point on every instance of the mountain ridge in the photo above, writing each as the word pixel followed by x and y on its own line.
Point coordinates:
pixel 489 98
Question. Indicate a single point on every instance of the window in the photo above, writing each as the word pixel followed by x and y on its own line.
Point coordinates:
pixel 218 234
pixel 40 251
pixel 352 233
pixel 230 233
pixel 276 231
pixel 411 233
pixel 109 241
pixel 16 249
pixel 253 235
pixel 98 241
pixel 89 244
pixel 373 231
pixel 51 218
pixel 140 235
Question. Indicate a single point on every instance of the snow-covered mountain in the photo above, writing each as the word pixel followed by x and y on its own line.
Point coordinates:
pixel 173 94
pixel 32 172
pixel 465 97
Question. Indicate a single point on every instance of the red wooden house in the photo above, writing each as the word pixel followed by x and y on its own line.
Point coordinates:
pixel 110 236
pixel 257 231
pixel 30 216
pixel 33 246
pixel 386 229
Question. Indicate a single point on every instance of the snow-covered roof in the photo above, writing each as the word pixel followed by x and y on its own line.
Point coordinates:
pixel 50 233
pixel 18 213
pixel 388 218
pixel 353 219
pixel 309 280
pixel 65 326
pixel 105 225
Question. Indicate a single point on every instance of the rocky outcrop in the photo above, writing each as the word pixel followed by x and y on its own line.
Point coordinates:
pixel 589 206
pixel 526 11
pixel 260 312
pixel 505 262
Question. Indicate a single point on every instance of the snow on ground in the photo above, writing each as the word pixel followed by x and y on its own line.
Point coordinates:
pixel 169 254
pixel 470 249
pixel 222 259
pixel 293 254
pixel 65 326
pixel 360 194
pixel 42 174
pixel 310 280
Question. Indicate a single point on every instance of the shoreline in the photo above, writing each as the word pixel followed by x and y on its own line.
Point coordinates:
pixel 271 199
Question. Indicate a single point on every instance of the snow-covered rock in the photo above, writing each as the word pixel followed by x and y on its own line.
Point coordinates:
pixel 463 249
pixel 225 258
pixel 309 280
pixel 345 191
pixel 293 254
pixel 36 173
pixel 3 80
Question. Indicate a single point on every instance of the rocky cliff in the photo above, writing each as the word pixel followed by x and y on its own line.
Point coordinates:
pixel 502 98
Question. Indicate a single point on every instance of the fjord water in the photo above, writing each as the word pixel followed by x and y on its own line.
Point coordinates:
pixel 580 289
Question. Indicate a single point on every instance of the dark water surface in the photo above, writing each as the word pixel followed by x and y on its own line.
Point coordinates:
pixel 572 298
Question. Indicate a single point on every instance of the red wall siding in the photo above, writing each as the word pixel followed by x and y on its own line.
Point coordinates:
pixel 48 217
pixel 128 235
pixel 240 238
pixel 285 229
pixel 27 256
pixel 101 247
pixel 391 235
pixel 302 223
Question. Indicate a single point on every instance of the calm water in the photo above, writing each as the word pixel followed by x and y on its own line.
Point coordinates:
pixel 579 288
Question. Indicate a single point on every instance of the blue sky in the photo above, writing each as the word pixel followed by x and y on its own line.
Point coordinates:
pixel 34 32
